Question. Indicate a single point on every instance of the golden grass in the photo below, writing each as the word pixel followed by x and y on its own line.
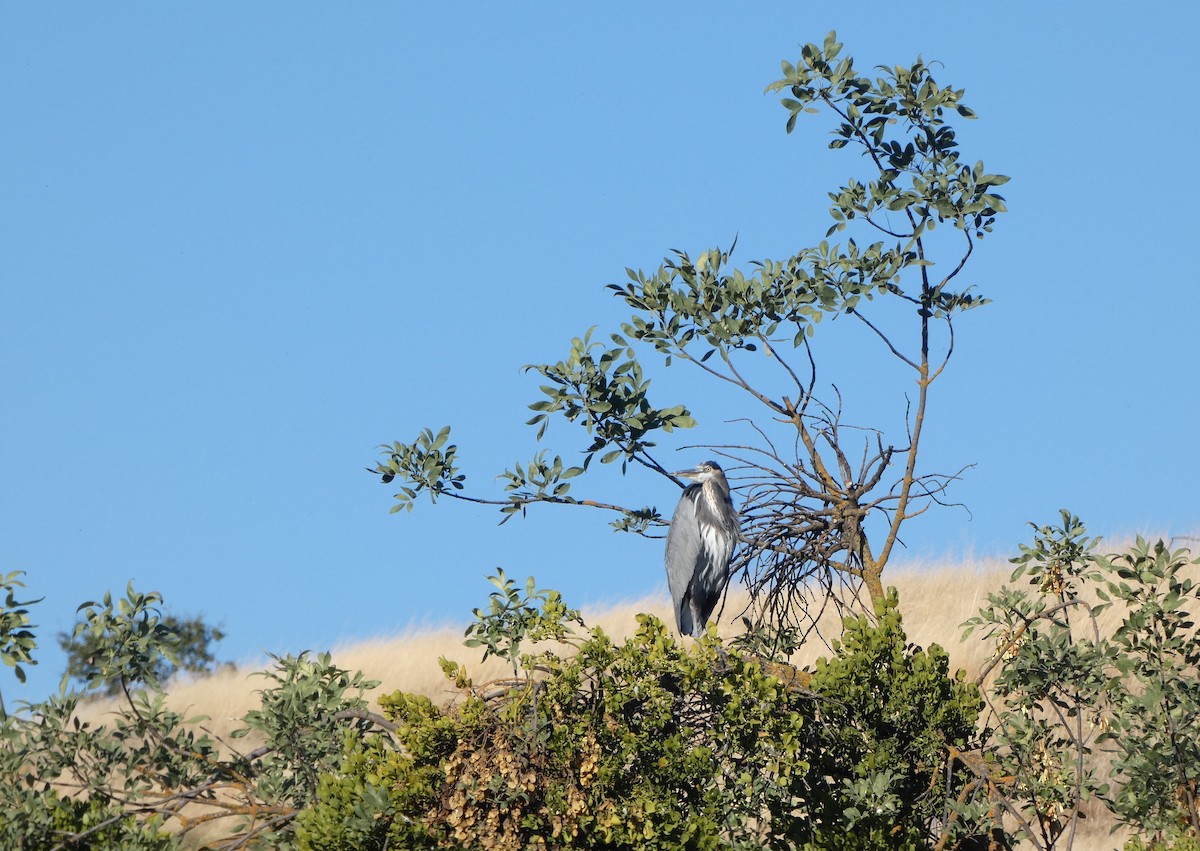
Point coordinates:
pixel 935 600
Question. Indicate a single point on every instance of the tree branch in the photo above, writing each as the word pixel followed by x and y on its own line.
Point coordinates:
pixel 887 342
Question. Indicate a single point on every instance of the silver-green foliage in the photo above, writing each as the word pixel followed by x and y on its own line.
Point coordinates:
pixel 141 775
pixel 17 641
pixel 1063 690
pixel 1155 704
pixel 513 619
pixel 189 642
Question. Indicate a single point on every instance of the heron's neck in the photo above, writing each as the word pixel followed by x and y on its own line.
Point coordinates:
pixel 716 498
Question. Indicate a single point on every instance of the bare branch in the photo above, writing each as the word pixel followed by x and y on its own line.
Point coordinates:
pixel 804 391
pixel 887 342
pixel 949 349
pixel 745 385
pixel 962 261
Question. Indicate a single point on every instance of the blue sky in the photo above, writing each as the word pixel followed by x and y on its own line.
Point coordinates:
pixel 244 244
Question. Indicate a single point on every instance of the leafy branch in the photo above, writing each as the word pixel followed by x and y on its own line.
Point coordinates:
pixel 17 641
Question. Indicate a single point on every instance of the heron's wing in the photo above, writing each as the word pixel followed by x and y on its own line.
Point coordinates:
pixel 683 552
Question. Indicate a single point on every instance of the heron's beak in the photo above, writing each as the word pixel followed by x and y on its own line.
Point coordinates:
pixel 687 474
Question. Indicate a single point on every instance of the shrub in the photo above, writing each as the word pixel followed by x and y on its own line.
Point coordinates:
pixel 1066 692
pixel 891 715
pixel 146 775
pixel 649 744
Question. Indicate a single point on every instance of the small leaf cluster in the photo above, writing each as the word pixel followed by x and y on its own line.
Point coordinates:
pixel 513 619
pixel 898 120
pixel 17 640
pixel 638 520
pixel 192 640
pixel 603 388
pixel 429 464
pixel 539 480
pixel 543 480
pixel 703 301
pixel 127 642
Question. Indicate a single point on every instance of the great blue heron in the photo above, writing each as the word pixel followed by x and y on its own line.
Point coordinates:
pixel 699 547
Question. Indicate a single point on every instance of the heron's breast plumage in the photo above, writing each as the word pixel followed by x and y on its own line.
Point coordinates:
pixel 716 542
pixel 716 538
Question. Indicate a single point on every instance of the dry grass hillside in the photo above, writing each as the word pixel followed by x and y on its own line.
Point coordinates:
pixel 935 600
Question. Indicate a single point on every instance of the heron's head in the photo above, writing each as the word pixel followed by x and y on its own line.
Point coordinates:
pixel 703 472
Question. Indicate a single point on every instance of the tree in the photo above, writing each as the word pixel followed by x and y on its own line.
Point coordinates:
pixel 829 511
